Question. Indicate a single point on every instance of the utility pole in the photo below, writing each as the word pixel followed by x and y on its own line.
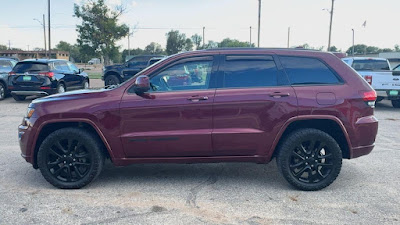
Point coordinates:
pixel 48 5
pixel 204 36
pixel 44 34
pixel 28 48
pixel 353 42
pixel 129 43
pixel 259 21
pixel 288 38
pixel 330 26
pixel 9 45
pixel 250 36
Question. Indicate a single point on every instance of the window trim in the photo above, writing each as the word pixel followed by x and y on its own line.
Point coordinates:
pixel 340 79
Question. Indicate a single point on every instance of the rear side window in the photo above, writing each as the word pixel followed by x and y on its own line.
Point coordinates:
pixel 301 70
pixel 5 65
pixel 251 71
pixel 30 67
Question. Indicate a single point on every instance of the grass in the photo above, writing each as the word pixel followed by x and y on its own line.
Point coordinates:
pixel 94 75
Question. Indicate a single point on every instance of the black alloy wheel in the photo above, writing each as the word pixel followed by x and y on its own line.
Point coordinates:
pixel 111 80
pixel 310 159
pixel 70 158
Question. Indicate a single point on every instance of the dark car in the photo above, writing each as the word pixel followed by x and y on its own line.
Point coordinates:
pixel 307 109
pixel 396 68
pixel 42 77
pixel 6 65
pixel 118 73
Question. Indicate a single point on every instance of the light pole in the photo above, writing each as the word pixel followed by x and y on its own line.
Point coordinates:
pixel 44 34
pixel 204 28
pixel 259 22
pixel 330 25
pixel 250 36
pixel 353 42
pixel 48 16
pixel 288 38
pixel 129 42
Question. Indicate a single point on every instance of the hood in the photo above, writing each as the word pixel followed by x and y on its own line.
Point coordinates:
pixel 84 93
pixel 115 66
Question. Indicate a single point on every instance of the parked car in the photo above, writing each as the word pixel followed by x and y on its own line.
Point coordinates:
pixel 41 77
pixel 154 60
pixel 377 72
pixel 94 61
pixel 6 66
pixel 396 68
pixel 304 108
pixel 118 73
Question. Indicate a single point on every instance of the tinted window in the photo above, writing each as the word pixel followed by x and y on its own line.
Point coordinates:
pixel 30 67
pixel 250 72
pixel 193 75
pixel 308 71
pixel 370 65
pixel 5 66
pixel 62 66
pixel 72 67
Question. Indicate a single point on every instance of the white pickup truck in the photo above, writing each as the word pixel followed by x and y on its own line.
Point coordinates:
pixel 377 72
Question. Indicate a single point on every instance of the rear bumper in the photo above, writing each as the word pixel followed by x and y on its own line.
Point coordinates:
pixel 360 151
pixel 29 93
pixel 385 94
pixel 366 129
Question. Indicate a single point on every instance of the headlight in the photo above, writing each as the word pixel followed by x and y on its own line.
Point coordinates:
pixel 29 112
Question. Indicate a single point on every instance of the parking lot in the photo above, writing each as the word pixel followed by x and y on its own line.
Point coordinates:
pixel 366 192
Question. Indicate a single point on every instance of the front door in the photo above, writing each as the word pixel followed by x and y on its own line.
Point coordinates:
pixel 252 102
pixel 175 117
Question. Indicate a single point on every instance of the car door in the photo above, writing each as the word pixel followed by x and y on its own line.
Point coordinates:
pixel 175 117
pixel 252 102
pixel 79 76
pixel 134 66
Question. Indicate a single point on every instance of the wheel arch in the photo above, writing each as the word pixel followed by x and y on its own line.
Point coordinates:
pixel 52 126
pixel 112 72
pixel 329 124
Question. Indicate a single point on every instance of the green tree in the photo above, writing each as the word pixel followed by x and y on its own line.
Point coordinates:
pixel 387 50
pixel 196 39
pixel 333 49
pixel 233 43
pixel 3 47
pixel 358 49
pixel 188 44
pixel 153 49
pixel 397 48
pixel 176 42
pixel 74 51
pixel 99 30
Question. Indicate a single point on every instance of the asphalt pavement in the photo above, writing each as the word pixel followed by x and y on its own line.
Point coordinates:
pixel 367 190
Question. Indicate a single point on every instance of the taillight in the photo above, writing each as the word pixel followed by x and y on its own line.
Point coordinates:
pixel 368 78
pixel 12 74
pixel 369 97
pixel 48 74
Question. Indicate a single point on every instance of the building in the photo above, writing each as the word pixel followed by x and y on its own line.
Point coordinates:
pixel 21 55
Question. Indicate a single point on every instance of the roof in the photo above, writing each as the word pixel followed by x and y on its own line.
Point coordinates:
pixel 43 60
pixel 365 58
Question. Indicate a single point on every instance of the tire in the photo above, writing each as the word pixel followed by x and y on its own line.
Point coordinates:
pixel 396 103
pixel 111 80
pixel 61 88
pixel 309 170
pixel 19 98
pixel 3 91
pixel 70 158
pixel 85 84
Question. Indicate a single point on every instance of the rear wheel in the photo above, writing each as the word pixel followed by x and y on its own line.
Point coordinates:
pixel 2 91
pixel 309 159
pixel 61 88
pixel 396 103
pixel 70 158
pixel 19 97
pixel 111 80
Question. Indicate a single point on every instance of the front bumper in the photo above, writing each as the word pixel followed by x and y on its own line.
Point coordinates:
pixel 26 137
pixel 30 93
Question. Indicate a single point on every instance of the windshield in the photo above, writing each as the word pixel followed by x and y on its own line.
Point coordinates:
pixel 30 67
pixel 5 66
pixel 369 64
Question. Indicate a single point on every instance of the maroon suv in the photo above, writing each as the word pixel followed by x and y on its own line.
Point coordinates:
pixel 305 108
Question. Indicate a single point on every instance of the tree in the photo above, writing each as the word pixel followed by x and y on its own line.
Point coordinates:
pixel 233 43
pixel 397 48
pixel 99 30
pixel 196 39
pixel 210 44
pixel 63 46
pixel 74 52
pixel 3 47
pixel 387 50
pixel 153 49
pixel 176 42
pixel 333 49
pixel 188 44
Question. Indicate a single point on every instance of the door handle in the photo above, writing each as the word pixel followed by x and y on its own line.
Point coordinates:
pixel 279 94
pixel 197 98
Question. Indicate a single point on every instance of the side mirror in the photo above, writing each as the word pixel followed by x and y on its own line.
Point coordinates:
pixel 396 73
pixel 81 70
pixel 142 84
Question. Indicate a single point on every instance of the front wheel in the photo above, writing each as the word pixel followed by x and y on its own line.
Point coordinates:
pixel 309 159
pixel 86 84
pixel 70 158
pixel 61 88
pixel 396 103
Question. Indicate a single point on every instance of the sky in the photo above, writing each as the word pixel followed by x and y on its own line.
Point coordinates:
pixel 152 19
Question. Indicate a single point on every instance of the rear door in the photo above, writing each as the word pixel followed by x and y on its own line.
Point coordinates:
pixel 27 75
pixel 252 102
pixel 70 77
